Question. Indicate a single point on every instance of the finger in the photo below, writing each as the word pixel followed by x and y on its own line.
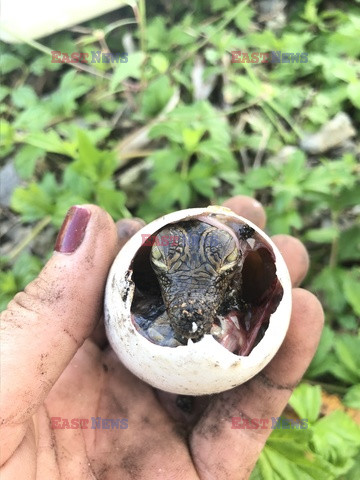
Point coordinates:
pixel 220 451
pixel 45 325
pixel 105 389
pixel 295 256
pixel 126 228
pixel 249 208
pixel 297 260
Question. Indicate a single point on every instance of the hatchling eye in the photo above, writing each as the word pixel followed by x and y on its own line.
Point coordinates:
pixel 230 261
pixel 157 258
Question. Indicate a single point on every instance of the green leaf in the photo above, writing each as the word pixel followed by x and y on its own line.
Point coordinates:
pixel 218 151
pixel 169 190
pixel 306 401
pixel 125 70
pixel 352 397
pixel 156 96
pixel 311 11
pixel 258 178
pixel 24 97
pixel 191 138
pixel 243 18
pixel 330 282
pixel 322 235
pixel 337 439
pixel 287 456
pixel 349 245
pixel 354 472
pixel 349 196
pixel 42 63
pixel 26 159
pixel 51 142
pixel 247 85
pixel 160 62
pixel 113 202
pixel 168 130
pixel 157 33
pixel 166 161
pixel 92 163
pixel 72 86
pixel 351 285
pixel 24 270
pixel 353 91
pixel 324 359
pixel 7 287
pixel 34 119
pixel 7 134
pixel 204 186
pixel 4 92
pixel 294 170
pixel 219 5
pixel 347 350
pixel 36 200
pixel 79 183
pixel 282 221
pixel 9 62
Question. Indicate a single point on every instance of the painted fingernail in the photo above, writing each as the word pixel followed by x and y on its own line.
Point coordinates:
pixel 72 231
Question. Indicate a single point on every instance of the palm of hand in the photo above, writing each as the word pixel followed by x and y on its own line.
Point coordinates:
pixel 56 365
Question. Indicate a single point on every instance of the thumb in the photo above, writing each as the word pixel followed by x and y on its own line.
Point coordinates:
pixel 44 326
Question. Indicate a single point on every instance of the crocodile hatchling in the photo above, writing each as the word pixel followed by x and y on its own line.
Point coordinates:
pixel 198 266
pixel 194 265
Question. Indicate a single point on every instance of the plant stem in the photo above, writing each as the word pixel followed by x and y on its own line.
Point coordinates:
pixel 30 237
pixel 329 386
pixel 185 167
pixel 142 18
pixel 335 243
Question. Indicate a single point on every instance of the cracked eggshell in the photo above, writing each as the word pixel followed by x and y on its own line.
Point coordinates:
pixel 200 368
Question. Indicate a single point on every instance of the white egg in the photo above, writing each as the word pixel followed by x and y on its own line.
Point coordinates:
pixel 201 367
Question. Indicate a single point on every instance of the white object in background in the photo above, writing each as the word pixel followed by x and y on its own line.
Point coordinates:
pixel 26 20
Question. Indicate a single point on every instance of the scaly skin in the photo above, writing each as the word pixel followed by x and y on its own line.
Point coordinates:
pixel 194 263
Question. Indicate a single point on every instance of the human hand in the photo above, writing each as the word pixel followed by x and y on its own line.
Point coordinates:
pixel 56 363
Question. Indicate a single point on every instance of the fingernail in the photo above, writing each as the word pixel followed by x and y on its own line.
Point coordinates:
pixel 72 231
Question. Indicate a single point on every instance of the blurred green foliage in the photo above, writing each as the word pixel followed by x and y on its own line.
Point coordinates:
pixel 77 133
